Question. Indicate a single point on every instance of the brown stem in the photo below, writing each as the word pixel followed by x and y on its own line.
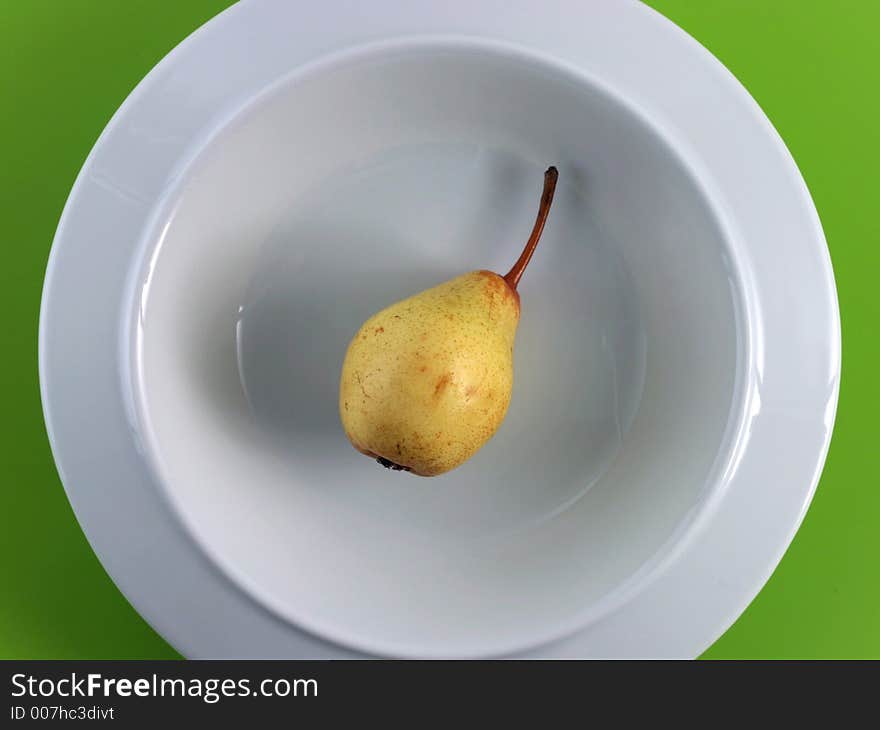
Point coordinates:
pixel 513 276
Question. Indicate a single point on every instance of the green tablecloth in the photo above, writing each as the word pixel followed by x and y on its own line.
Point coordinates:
pixel 66 65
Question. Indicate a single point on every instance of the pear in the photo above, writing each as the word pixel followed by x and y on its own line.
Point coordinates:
pixel 427 381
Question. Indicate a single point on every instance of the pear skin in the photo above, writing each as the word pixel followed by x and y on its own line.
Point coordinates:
pixel 427 381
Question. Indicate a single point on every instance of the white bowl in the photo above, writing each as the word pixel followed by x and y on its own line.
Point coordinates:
pixel 362 180
pixel 309 199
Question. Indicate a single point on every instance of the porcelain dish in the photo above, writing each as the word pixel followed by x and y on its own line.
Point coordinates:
pixel 288 170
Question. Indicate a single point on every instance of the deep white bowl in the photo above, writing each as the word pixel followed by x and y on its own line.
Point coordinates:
pixel 359 181
pixel 252 203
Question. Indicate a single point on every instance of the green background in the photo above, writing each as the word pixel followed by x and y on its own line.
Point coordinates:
pixel 66 65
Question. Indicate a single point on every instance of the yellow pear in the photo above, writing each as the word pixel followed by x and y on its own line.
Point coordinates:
pixel 427 381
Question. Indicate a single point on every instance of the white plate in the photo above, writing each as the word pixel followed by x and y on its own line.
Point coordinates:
pixel 677 363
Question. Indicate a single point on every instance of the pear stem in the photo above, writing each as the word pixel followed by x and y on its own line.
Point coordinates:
pixel 513 276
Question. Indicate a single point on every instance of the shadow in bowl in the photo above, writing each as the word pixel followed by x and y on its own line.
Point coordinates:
pixel 292 332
